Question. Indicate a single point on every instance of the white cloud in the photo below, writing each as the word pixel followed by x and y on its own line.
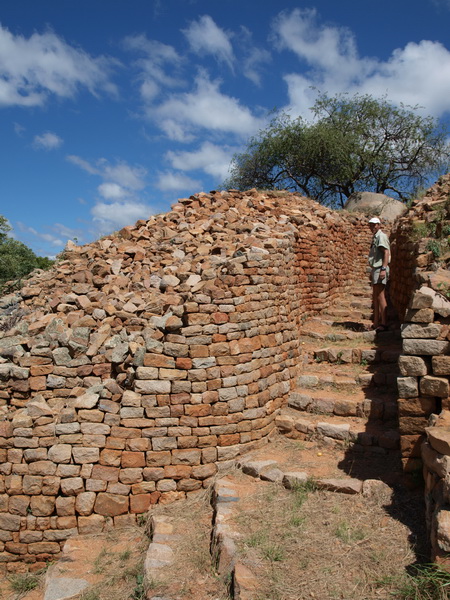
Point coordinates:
pixel 120 203
pixel 33 68
pixel 214 160
pixel 204 108
pixel 69 233
pixel 120 175
pixel 111 191
pixel 254 58
pixel 170 181
pixel 83 164
pixel 205 37
pixel 47 141
pixel 155 67
pixel 111 216
pixel 57 239
pixel 19 129
pixel 418 74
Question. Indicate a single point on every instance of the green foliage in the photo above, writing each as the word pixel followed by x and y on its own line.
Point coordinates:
pixel 139 590
pixel 16 259
pixel 425 582
pixel 435 247
pixel 348 534
pixel 355 144
pixel 444 289
pixel 301 490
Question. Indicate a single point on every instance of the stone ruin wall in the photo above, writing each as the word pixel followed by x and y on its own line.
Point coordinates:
pixel 142 361
pixel 424 403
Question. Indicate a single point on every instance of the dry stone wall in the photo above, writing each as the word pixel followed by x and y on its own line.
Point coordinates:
pixel 422 294
pixel 141 361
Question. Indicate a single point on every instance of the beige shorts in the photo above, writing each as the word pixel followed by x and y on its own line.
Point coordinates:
pixel 375 276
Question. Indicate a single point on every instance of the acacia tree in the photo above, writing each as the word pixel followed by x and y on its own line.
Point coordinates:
pixel 16 259
pixel 354 144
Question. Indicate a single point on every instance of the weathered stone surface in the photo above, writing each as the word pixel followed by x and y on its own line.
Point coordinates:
pixel 335 431
pixel 413 365
pixel 443 529
pixel 111 505
pixel 407 387
pixel 245 583
pixel 439 439
pixel 422 298
pixel 292 479
pixel 441 365
pixel 9 522
pixel 435 461
pixel 425 347
pixel 88 400
pixel 254 468
pixel 158 555
pixel 60 453
pixel 85 455
pixel 84 503
pixel 427 295
pixel 434 386
pixel 63 588
pixel 344 486
pixel 419 331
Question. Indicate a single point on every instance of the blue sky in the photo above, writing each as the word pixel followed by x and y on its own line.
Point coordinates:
pixel 110 110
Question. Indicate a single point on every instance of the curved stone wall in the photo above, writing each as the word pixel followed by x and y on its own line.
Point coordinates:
pixel 144 359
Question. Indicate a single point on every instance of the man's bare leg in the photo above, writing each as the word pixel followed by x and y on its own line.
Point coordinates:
pixel 379 305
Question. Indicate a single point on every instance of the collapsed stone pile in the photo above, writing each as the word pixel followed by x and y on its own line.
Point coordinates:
pixel 141 360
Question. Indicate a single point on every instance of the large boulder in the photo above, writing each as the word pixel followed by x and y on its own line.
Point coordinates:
pixel 388 209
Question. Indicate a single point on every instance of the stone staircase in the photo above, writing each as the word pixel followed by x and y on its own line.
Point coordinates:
pixel 346 392
pixel 342 411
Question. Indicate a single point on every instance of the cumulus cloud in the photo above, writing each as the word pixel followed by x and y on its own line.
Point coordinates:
pixel 211 158
pixel 111 216
pixel 206 107
pixel 119 178
pixel 254 58
pixel 205 37
pixel 159 66
pixel 111 191
pixel 47 141
pixel 32 69
pixel 169 181
pixel 418 74
pixel 119 201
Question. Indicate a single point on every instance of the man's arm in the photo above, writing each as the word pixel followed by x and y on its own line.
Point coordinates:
pixel 384 264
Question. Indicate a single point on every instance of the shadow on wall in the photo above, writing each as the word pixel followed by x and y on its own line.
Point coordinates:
pixel 383 462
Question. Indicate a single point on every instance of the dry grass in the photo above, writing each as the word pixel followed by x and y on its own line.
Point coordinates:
pixel 120 566
pixel 192 576
pixel 314 544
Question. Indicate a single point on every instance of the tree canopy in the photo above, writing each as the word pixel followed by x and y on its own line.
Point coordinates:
pixel 356 143
pixel 16 259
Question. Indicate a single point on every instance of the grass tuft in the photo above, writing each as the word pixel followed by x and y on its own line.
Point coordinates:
pixel 425 582
pixel 24 582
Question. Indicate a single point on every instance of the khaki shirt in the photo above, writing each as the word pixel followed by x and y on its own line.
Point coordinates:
pixel 380 240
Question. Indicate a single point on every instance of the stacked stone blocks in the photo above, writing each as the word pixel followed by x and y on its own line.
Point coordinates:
pixel 135 366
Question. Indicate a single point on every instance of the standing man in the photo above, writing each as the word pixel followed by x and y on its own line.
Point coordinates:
pixel 379 258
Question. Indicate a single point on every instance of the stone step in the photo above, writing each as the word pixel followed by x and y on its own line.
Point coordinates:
pixel 346 313
pixel 356 430
pixel 324 378
pixel 351 302
pixel 357 403
pixel 360 355
pixel 335 332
